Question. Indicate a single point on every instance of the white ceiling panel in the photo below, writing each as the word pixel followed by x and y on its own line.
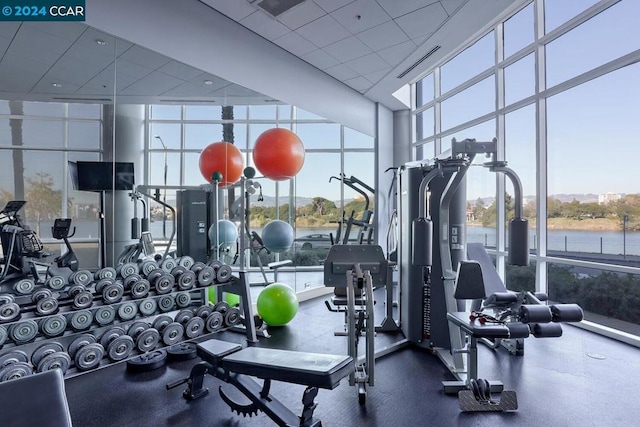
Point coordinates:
pixel 359 83
pixel 70 31
pixel 423 21
pixel 320 59
pixel 187 89
pixel 261 23
pixel 341 72
pixel 360 15
pixel 396 54
pixel 397 8
pixel 367 64
pixel 83 54
pixel 45 86
pixel 331 5
pixel 377 75
pixel 154 82
pixel 451 6
pixel 301 14
pixel 323 31
pixel 295 43
pixel 383 36
pixel 132 69
pixel 180 70
pixel 8 29
pixel 145 57
pixel 235 9
pixel 347 49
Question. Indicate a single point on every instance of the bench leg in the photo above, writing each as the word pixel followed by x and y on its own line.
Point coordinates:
pixel 196 381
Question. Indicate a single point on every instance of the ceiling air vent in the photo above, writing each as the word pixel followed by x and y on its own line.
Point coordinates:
pixel 277 7
pixel 418 62
pixel 67 98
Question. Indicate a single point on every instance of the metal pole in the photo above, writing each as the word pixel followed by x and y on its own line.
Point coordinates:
pixel 625 218
pixel 164 191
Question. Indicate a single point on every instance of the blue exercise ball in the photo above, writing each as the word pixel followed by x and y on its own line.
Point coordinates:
pixel 277 236
pixel 227 232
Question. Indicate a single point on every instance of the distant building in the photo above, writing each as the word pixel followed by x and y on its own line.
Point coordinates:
pixel 605 199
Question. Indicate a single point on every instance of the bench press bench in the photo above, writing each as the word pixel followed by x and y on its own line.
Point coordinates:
pixel 236 365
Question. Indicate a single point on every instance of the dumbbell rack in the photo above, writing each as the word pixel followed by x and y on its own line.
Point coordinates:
pixel 88 321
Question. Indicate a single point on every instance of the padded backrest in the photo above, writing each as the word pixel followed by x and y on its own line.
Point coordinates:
pixel 469 281
pixel 35 400
pixel 492 282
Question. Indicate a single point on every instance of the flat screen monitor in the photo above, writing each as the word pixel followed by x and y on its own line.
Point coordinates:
pixel 104 176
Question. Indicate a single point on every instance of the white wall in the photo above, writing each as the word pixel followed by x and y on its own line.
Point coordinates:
pixel 385 143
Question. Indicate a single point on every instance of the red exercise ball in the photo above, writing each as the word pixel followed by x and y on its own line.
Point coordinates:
pixel 278 154
pixel 224 158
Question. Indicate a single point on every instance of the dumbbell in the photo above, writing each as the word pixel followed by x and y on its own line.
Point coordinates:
pixel 112 293
pixel 105 315
pixel 14 364
pixel 183 299
pixel 81 277
pixel 23 331
pixel 81 320
pixel 193 325
pixel 204 311
pixel 145 337
pixel 140 289
pixel 127 269
pixel 128 281
pixel 205 276
pixel 102 283
pixel 223 272
pixel 148 306
pixel 186 261
pixel 9 311
pixel 50 356
pixel 168 264
pixel 53 326
pixel 55 283
pixel 105 273
pixel 148 266
pixel 164 284
pixel 86 352
pixel 24 286
pixel 127 311
pixel 119 345
pixel 231 315
pixel 185 278
pixel 3 335
pixel 171 332
pixel 166 303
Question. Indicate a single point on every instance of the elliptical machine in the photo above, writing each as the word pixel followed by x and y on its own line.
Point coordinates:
pixel 68 262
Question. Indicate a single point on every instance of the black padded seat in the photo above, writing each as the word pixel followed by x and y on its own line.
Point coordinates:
pixel 342 301
pixel 35 400
pixel 476 329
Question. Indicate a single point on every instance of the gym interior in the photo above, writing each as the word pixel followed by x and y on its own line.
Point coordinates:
pixel 334 212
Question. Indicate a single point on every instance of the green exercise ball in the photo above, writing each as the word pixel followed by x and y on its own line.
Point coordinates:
pixel 231 299
pixel 277 304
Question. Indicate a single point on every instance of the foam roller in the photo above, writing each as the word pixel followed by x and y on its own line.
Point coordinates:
pixel 518 330
pixel 535 314
pixel 546 330
pixel 567 313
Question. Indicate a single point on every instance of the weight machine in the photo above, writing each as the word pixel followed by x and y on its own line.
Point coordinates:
pixel 365 233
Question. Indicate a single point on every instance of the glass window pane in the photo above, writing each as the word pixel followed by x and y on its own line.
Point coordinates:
pixel 425 151
pixel 85 134
pixel 4 107
pixel 557 12
pixel 262 112
pixel 85 111
pixel 484 131
pixel 361 167
pixel 319 135
pixel 44 109
pixel 355 139
pixel 605 37
pixel 469 104
pixel 30 133
pixel 425 124
pixel 197 135
pixel 166 112
pixel 157 165
pixel 170 135
pixel 518 31
pixel 203 112
pixel 519 80
pixel 284 112
pixel 240 112
pixel 592 165
pixel 424 91
pixel 470 62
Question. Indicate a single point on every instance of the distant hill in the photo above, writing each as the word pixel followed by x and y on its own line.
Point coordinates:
pixel 582 198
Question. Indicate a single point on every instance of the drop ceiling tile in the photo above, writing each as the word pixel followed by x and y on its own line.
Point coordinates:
pixel 383 36
pixel 8 29
pixel 341 72
pixel 236 10
pixel 419 41
pixel 347 49
pixel 155 83
pixel 113 45
pixel 367 64
pixel 216 82
pixel 323 31
pixel 395 54
pixel 423 21
pixel 80 54
pixel 376 76
pixel 301 14
pixel 45 86
pixel 68 71
pixel 132 69
pixel 145 57
pixel 187 89
pixel 331 5
pixel 29 39
pixel 369 12
pixel 451 6
pixel 236 90
pixel 295 43
pixel 259 22
pixel 20 73
pixel 65 30
pixel 359 83
pixel 320 59
pixel 180 70
pixel 396 8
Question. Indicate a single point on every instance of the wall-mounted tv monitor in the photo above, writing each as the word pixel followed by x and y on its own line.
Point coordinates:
pixel 103 176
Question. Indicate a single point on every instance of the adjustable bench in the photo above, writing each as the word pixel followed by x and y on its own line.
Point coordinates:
pixel 236 365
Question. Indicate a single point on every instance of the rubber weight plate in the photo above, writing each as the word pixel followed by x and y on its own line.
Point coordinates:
pixel 183 316
pixel 82 277
pixel 165 303
pixel 172 333
pixel 140 289
pixel 127 311
pixel 147 267
pixel 221 307
pixel 75 290
pixel 127 269
pixel 58 360
pixel 56 283
pixel 196 267
pixel 214 322
pixel 206 276
pixel 161 322
pixel 177 271
pixel 183 299
pixel 154 275
pixel 105 273
pixel 9 311
pixel 187 280
pixel 120 348
pixel 14 356
pixel 164 284
pixel 39 294
pixel 168 264
pixel 111 334
pixel 232 317
pixel 130 280
pixel 83 300
pixel 24 286
pixel 223 274
pixel 3 335
pixel 23 331
pixel 53 326
pixel 186 261
pixel 148 306
pixel 105 315
pixel 89 356
pixel 204 311
pixel 102 283
pixel 47 306
pixel 136 328
pixel 6 299
pixel 81 320
pixel 15 371
pixel 147 362
pixel 112 293
pixel 181 352
pixel 147 340
pixel 215 264
pixel 80 341
pixel 44 350
pixel 194 327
